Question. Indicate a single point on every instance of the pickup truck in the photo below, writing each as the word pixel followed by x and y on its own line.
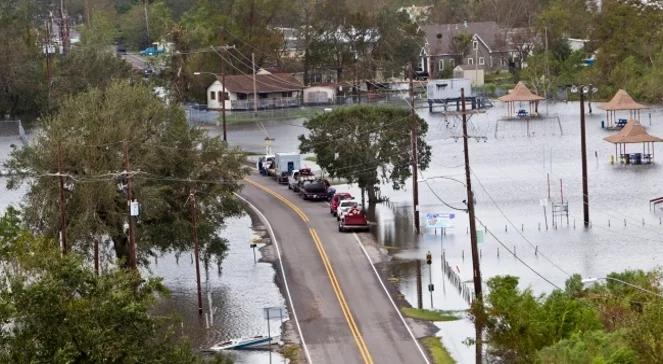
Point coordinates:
pixel 313 190
pixel 353 220
pixel 346 205
pixel 336 200
pixel 299 175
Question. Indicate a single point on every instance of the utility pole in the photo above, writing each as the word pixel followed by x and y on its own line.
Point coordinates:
pixel 255 90
pixel 583 151
pixel 223 99
pixel 63 220
pixel 47 49
pixel 478 295
pixel 147 21
pixel 96 255
pixel 194 233
pixel 415 156
pixel 132 238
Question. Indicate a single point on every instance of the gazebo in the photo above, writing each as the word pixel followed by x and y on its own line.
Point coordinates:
pixel 633 133
pixel 622 101
pixel 520 93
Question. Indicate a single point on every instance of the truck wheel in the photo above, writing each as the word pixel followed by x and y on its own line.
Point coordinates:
pixel 340 229
pixel 290 188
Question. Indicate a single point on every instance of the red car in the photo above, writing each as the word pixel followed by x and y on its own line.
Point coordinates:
pixel 333 205
pixel 353 220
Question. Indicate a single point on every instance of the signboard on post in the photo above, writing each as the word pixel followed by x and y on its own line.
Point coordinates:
pixel 441 220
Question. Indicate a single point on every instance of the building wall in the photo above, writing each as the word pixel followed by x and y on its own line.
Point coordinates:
pixel 214 92
pixel 319 95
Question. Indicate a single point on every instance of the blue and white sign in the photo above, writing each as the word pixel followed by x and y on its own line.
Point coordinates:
pixel 440 220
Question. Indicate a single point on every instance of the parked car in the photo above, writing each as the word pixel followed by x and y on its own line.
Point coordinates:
pixel 313 190
pixel 344 206
pixel 298 175
pixel 353 220
pixel 336 200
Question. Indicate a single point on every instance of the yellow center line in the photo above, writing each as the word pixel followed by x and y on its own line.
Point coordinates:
pixel 359 339
pixel 345 308
pixel 279 197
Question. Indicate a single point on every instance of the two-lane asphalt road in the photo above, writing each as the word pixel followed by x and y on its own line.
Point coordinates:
pixel 342 307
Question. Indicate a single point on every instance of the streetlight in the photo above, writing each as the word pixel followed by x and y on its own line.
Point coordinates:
pixel 594 280
pixel 223 101
pixel 583 90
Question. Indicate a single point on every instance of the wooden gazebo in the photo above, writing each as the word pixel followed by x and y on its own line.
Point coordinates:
pixel 520 93
pixel 633 133
pixel 622 101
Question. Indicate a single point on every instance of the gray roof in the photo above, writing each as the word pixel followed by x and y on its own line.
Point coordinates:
pixel 439 36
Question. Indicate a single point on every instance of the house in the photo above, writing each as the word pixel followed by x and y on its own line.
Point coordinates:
pixel 474 73
pixel 483 43
pixel 274 90
pixel 320 95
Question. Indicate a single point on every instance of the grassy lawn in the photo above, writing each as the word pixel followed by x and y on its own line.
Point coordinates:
pixel 428 315
pixel 438 353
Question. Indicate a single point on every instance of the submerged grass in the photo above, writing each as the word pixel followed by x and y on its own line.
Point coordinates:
pixel 437 351
pixel 428 315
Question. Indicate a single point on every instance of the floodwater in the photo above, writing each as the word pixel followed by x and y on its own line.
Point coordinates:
pixel 238 293
pixel 511 164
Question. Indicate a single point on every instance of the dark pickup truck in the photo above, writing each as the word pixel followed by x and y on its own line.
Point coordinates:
pixel 313 190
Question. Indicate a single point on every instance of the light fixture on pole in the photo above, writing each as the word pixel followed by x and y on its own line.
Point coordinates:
pixel 583 90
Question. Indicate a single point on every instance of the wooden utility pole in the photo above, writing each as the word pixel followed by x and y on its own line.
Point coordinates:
pixel 63 220
pixel 255 90
pixel 96 255
pixel 194 234
pixel 64 28
pixel 583 151
pixel 147 21
pixel 223 99
pixel 47 50
pixel 415 155
pixel 478 295
pixel 132 238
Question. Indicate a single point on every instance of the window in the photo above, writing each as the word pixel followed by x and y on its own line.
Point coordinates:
pixel 286 94
pixel 452 62
pixel 482 61
pixel 470 61
pixel 475 44
pixel 212 95
pixel 440 65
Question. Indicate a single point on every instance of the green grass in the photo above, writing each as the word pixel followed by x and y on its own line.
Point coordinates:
pixel 290 352
pixel 428 315
pixel 438 353
pixel 311 158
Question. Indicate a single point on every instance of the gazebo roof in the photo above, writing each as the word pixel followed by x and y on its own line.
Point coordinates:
pixel 622 101
pixel 520 93
pixel 633 132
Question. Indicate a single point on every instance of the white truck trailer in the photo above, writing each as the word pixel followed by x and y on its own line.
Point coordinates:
pixel 285 164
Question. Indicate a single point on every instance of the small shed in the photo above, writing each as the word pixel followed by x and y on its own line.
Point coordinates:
pixel 518 94
pixel 447 88
pixel 470 72
pixel 633 133
pixel 320 95
pixel 622 101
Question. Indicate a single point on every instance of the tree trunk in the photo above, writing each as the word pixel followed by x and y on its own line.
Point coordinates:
pixel 121 247
pixel 372 196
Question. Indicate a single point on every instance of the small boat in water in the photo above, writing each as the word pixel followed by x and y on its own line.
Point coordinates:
pixel 244 343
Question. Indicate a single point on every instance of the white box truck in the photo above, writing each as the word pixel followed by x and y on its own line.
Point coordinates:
pixel 285 164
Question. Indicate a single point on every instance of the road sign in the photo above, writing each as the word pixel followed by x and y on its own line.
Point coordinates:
pixel 440 220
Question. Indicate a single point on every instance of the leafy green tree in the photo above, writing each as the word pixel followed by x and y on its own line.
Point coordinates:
pixel 133 27
pixel 367 145
pixel 399 42
pixel 55 309
pixel 23 86
pixel 589 347
pixel 520 324
pixel 461 44
pixel 89 132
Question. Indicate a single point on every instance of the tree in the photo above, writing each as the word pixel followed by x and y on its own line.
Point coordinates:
pixel 589 347
pixel 55 309
pixel 461 44
pixel 89 132
pixel 23 85
pixel 366 145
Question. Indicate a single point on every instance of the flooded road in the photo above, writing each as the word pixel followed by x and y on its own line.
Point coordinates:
pixel 510 170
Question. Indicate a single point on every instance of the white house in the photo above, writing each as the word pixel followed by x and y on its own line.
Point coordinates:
pixel 276 90
pixel 318 95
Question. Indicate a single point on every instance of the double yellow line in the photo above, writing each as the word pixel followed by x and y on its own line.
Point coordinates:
pixel 279 197
pixel 354 329
pixel 359 339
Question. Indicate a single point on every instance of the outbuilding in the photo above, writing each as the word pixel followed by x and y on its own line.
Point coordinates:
pixel 320 95
pixel 273 90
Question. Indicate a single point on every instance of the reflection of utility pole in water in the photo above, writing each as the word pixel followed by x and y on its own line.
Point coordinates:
pixel 420 304
pixel 431 287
